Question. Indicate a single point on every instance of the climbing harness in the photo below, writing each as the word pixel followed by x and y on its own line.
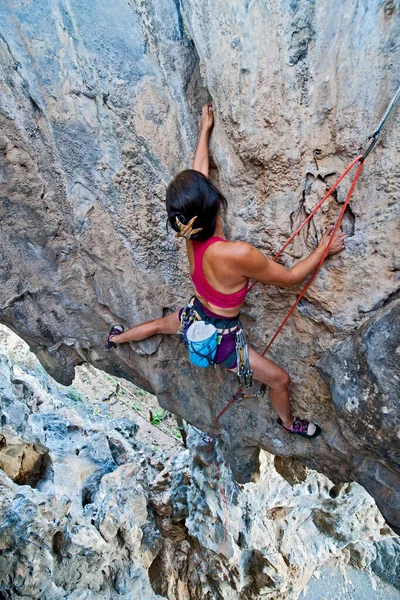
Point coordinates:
pixel 187 318
pixel 363 152
pixel 203 334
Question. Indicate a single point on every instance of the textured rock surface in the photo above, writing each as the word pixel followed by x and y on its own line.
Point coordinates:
pixel 343 583
pixel 22 461
pixel 109 518
pixel 99 106
pixel 80 530
pixel 363 374
pixel 387 561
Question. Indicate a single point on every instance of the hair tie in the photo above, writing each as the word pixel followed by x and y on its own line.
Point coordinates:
pixel 187 231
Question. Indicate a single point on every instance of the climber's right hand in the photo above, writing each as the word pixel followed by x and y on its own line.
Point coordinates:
pixel 207 117
pixel 337 244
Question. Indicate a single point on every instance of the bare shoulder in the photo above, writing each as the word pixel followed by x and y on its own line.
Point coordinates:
pixel 242 250
pixel 229 248
pixel 240 258
pixel 238 252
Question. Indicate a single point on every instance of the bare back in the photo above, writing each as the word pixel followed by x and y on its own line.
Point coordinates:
pixel 220 270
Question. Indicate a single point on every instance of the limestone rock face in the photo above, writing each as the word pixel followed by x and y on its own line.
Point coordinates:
pixel 23 462
pixel 69 532
pixel 109 518
pixel 363 375
pixel 99 107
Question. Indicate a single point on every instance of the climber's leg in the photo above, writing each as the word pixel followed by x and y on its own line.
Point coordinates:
pixel 278 380
pixel 168 324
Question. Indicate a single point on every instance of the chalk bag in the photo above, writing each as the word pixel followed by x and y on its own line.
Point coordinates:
pixel 202 342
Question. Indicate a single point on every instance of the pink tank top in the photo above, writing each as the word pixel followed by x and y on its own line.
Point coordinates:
pixel 201 284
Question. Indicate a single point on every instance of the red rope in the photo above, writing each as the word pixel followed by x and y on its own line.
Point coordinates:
pixel 309 282
pixel 359 159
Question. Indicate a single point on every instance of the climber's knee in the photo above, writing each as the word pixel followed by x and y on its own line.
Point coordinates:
pixel 168 324
pixel 158 326
pixel 281 382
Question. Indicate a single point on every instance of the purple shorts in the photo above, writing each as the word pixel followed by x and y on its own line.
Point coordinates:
pixel 226 350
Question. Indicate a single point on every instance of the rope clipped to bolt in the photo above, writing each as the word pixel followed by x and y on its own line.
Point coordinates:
pixel 363 152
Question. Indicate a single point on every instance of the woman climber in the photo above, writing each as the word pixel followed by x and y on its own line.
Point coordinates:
pixel 220 272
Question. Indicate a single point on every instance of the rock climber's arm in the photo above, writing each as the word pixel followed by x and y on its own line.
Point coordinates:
pixel 255 265
pixel 201 158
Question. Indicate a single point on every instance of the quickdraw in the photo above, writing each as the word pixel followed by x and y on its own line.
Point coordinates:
pixel 187 318
pixel 259 394
pixel 244 372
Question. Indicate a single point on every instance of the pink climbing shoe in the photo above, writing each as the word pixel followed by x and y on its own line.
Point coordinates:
pixel 302 427
pixel 115 330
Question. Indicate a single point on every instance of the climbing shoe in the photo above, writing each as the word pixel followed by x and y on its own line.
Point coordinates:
pixel 302 427
pixel 115 330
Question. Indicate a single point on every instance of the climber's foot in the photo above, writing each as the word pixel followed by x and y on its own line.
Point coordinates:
pixel 115 330
pixel 302 427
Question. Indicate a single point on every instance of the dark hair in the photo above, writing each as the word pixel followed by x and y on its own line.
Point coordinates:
pixel 192 194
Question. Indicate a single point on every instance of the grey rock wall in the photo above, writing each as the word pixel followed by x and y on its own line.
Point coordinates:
pixel 108 518
pixel 363 374
pixel 99 107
